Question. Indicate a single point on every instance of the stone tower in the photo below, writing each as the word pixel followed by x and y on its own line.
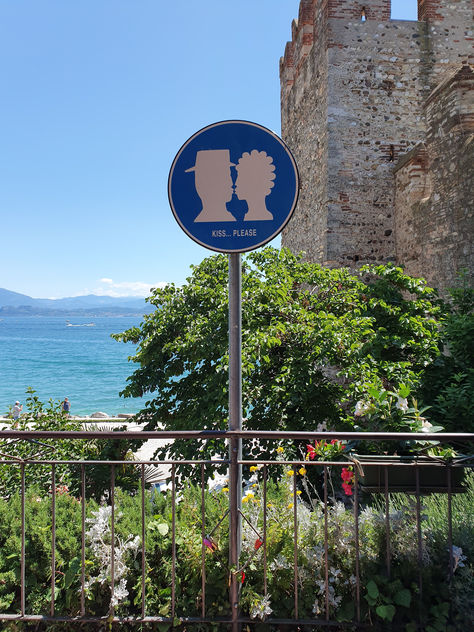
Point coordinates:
pixel 379 115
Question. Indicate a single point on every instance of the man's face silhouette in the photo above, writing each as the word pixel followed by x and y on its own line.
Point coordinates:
pixel 214 183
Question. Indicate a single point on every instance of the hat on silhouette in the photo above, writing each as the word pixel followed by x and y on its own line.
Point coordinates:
pixel 210 159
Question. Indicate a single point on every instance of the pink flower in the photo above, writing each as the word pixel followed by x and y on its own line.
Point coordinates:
pixel 347 489
pixel 347 475
pixel 210 544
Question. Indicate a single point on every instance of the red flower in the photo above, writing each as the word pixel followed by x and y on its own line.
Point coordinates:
pixel 347 489
pixel 347 475
pixel 311 452
pixel 258 544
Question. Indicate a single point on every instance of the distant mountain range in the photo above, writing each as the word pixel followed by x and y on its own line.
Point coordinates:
pixel 15 304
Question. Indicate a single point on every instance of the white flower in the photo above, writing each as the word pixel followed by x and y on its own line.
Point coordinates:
pixel 425 425
pixel 361 408
pixel 261 609
pixel 402 404
pixel 218 482
pixel 458 556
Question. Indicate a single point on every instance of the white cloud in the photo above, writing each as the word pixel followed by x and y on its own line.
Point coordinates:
pixel 109 287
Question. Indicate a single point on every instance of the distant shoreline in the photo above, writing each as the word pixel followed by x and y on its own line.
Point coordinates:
pixel 10 312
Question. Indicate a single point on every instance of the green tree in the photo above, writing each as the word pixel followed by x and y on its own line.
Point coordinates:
pixel 314 341
pixel 448 384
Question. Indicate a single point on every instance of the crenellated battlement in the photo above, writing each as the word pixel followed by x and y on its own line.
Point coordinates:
pixel 302 37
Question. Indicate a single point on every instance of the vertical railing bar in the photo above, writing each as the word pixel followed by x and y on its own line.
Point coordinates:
pixel 143 539
pixel 357 544
pixel 53 535
pixel 112 533
pixel 326 560
pixel 419 541
pixel 295 540
pixel 450 525
pixel 23 526
pixel 83 540
pixel 203 550
pixel 387 522
pixel 173 540
pixel 265 587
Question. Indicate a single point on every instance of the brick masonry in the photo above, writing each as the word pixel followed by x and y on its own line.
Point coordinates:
pixel 379 116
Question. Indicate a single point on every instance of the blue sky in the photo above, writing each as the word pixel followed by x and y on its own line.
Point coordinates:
pixel 96 98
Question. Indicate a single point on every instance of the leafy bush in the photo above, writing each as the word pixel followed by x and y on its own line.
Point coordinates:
pixel 448 383
pixel 385 599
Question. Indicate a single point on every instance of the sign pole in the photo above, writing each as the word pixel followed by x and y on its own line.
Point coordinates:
pixel 235 423
pixel 233 187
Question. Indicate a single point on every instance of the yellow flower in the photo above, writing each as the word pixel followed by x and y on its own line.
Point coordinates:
pixel 302 471
pixel 250 495
pixel 254 485
pixel 245 499
pixel 290 506
pixel 290 473
pixel 253 468
pixel 225 489
pixel 298 492
pixel 280 449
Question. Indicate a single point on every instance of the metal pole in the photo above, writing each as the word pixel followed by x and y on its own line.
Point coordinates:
pixel 235 423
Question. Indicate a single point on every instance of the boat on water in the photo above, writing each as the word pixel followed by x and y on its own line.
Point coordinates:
pixel 68 324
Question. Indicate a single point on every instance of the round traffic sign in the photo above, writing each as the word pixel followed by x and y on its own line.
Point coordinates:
pixel 233 186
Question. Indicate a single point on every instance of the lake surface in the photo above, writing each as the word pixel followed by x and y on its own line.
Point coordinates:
pixel 61 358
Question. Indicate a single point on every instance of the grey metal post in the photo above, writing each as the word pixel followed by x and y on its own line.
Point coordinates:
pixel 235 423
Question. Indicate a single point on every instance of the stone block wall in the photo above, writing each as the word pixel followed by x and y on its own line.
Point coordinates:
pixel 434 188
pixel 353 88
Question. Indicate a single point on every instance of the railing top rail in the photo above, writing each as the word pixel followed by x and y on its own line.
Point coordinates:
pixel 243 434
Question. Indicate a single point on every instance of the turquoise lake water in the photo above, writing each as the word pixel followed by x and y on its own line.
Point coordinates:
pixel 57 360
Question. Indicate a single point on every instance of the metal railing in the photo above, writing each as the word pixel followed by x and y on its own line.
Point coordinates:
pixel 269 470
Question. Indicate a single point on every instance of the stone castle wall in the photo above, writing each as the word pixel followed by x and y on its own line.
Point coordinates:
pixel 354 85
pixel 434 187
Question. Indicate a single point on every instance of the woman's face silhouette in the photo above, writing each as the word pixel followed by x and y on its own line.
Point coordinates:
pixel 245 185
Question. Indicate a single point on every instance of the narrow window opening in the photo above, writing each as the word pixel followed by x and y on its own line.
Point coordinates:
pixel 391 154
pixel 363 16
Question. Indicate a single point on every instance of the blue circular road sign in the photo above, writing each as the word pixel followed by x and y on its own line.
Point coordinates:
pixel 233 186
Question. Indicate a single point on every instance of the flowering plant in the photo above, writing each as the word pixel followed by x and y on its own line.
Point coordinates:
pixel 382 410
pixel 326 450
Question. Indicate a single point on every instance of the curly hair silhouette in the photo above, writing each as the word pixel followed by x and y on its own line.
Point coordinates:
pixel 256 173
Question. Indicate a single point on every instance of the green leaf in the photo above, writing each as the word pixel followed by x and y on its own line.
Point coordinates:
pixel 73 568
pixel 386 612
pixel 163 528
pixel 403 598
pixel 372 589
pixel 403 390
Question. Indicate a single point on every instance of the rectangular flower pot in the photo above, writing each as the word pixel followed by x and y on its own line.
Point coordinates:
pixel 401 474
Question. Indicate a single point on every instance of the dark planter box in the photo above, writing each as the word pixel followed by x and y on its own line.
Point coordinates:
pixel 401 472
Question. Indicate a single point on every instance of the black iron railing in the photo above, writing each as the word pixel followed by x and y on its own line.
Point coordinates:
pixel 311 491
